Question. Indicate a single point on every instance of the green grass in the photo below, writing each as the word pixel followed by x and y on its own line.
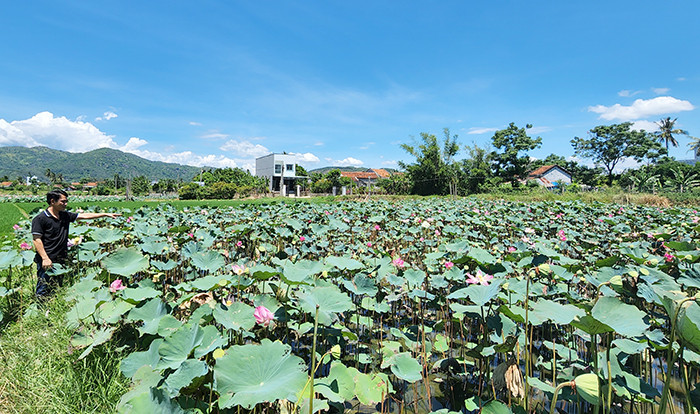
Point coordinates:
pixel 40 373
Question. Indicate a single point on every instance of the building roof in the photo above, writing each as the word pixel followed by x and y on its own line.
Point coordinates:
pixel 381 172
pixel 543 170
pixel 6 183
pixel 356 176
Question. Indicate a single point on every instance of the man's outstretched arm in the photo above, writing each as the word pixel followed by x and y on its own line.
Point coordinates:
pixel 90 216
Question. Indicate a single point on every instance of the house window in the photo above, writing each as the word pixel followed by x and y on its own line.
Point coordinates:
pixel 290 167
pixel 278 168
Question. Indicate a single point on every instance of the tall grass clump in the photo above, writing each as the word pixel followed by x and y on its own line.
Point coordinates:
pixel 39 373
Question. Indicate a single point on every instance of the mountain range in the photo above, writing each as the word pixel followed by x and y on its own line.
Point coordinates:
pixel 98 164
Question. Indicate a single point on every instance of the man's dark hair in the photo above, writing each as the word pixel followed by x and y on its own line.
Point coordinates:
pixel 55 195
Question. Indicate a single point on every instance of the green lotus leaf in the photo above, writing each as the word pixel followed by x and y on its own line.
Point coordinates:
pixel 104 235
pixel 138 294
pixel 263 272
pixel 547 310
pixel 110 312
pixel 211 340
pixel 164 266
pixel 154 246
pixel 343 263
pixel 98 336
pixel 406 367
pixel 689 325
pixel 125 262
pixel 330 300
pixel 146 398
pixel 251 374
pixel 237 316
pixel 495 407
pixel 361 285
pixel 150 313
pixel 209 282
pixel 480 294
pixel 372 388
pixel 209 260
pixel 481 256
pixel 177 347
pixel 414 277
pixel 185 374
pixel 625 319
pixel 136 360
pixel 301 271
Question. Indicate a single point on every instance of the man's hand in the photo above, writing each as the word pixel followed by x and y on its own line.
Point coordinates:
pixel 46 263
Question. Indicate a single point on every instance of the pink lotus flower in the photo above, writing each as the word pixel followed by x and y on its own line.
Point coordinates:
pixel 437 232
pixel 238 269
pixel 480 277
pixel 669 257
pixel 422 239
pixel 449 265
pixel 512 249
pixel 559 215
pixel 398 262
pixel 376 227
pixel 16 227
pixel 369 244
pixel 25 246
pixel 239 243
pixel 263 316
pixel 116 286
pixel 561 235
pixel 302 238
pixel 190 234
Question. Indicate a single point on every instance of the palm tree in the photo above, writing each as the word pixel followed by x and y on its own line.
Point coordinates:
pixel 683 180
pixel 695 146
pixel 666 131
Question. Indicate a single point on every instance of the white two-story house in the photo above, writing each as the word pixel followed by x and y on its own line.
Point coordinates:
pixel 278 170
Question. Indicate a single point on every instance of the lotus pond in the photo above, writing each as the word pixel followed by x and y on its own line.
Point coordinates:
pixel 419 306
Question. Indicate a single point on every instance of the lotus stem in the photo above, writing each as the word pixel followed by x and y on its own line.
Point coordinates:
pixel 556 393
pixel 671 359
pixel 313 364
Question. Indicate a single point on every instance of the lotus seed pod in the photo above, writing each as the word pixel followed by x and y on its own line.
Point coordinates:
pixel 544 267
pixel 634 273
pixel 587 387
pixel 335 351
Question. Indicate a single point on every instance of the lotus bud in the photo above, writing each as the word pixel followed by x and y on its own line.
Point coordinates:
pixel 335 351
pixel 616 282
pixel 587 387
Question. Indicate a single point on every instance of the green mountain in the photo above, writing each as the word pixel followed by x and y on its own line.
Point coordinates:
pixel 98 164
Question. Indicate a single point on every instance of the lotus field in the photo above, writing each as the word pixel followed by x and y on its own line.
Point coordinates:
pixel 417 306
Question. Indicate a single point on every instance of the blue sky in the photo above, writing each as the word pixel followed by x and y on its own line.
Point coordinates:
pixel 339 82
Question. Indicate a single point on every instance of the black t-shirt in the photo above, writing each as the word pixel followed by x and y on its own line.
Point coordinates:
pixel 54 233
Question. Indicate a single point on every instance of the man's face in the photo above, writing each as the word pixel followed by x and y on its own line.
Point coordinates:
pixel 60 204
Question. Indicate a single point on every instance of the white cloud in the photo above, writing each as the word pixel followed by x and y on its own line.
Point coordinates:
pixel 476 130
pixel 660 91
pixel 106 116
pixel 54 132
pixel 539 130
pixel 350 162
pixel 133 144
pixel 215 135
pixel 389 163
pixel 188 158
pixel 626 93
pixel 318 144
pixel 193 123
pixel 307 158
pixel 245 148
pixel 642 108
pixel 645 125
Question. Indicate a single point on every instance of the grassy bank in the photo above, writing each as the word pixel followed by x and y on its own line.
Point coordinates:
pixel 40 374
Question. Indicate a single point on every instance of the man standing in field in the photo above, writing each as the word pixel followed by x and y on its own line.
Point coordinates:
pixel 50 234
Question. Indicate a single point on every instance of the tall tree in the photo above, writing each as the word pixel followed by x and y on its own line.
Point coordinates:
pixel 512 141
pixel 695 146
pixel 434 171
pixel 607 145
pixel 667 130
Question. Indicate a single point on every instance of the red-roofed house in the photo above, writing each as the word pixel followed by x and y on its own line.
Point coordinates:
pixel 366 178
pixel 550 176
pixel 6 184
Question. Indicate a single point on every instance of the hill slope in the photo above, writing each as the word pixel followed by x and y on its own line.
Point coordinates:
pixel 97 164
